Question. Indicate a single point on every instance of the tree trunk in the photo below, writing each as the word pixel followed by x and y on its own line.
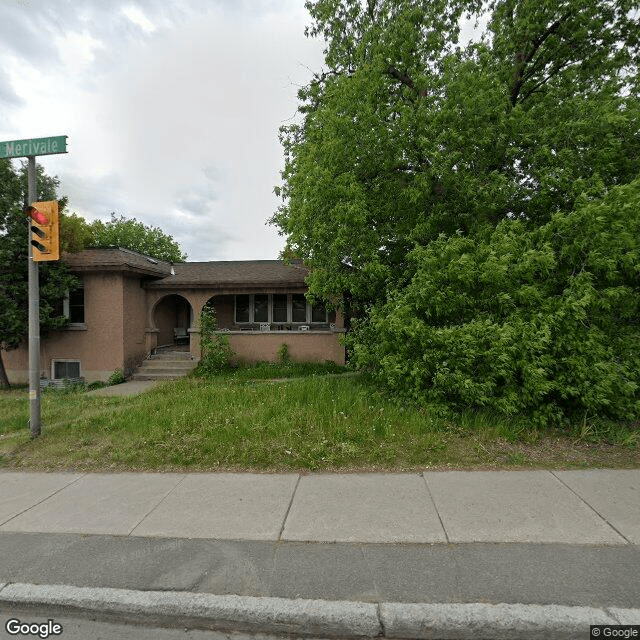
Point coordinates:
pixel 4 381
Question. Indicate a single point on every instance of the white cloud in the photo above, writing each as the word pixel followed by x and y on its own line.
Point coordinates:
pixel 77 50
pixel 137 16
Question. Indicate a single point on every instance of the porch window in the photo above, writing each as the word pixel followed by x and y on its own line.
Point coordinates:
pixel 318 314
pixel 261 307
pixel 277 308
pixel 242 309
pixel 298 308
pixel 280 307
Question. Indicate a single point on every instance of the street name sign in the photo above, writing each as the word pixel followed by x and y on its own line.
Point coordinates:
pixel 33 147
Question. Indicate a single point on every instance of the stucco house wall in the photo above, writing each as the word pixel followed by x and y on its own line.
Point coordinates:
pixel 308 346
pixel 133 321
pixel 97 343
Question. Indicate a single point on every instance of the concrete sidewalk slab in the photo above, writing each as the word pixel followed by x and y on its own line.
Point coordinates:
pixel 20 491
pixel 614 494
pixel 357 507
pixel 98 503
pixel 522 506
pixel 223 505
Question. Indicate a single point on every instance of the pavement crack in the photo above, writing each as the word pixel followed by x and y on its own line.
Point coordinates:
pixel 371 572
pixel 155 506
pixel 383 631
pixel 575 493
pixel 435 506
pixel 286 515
pixel 13 517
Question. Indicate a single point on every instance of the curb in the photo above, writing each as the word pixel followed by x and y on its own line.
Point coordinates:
pixel 330 619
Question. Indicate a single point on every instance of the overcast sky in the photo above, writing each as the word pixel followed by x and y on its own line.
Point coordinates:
pixel 171 109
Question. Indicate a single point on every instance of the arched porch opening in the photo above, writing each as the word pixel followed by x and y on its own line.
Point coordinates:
pixel 172 317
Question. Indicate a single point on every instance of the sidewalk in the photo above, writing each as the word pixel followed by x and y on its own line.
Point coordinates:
pixel 478 540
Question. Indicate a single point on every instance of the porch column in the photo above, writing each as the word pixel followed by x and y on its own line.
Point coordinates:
pixel 194 342
pixel 151 339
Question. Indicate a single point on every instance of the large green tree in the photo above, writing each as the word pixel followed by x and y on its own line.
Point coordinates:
pixel 441 193
pixel 54 276
pixel 406 134
pixel 129 233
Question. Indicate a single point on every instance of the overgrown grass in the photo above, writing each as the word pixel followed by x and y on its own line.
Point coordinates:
pixel 311 423
pixel 272 370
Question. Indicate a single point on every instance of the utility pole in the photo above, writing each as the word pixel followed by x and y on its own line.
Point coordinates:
pixel 34 311
pixel 29 149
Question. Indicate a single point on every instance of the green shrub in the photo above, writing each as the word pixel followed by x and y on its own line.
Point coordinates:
pixel 539 322
pixel 117 377
pixel 283 354
pixel 216 352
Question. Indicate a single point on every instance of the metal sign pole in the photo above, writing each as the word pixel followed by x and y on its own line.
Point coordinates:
pixel 34 312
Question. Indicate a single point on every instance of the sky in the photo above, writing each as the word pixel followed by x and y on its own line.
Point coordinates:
pixel 172 109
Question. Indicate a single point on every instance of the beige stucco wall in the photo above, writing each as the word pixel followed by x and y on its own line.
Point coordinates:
pixel 133 324
pixel 98 344
pixel 310 346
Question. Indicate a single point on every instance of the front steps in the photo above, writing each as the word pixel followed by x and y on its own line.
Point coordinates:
pixel 167 365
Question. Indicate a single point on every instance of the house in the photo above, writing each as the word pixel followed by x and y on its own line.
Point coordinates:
pixel 129 305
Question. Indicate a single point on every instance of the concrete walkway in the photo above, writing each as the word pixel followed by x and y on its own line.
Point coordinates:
pixel 549 539
pixel 131 388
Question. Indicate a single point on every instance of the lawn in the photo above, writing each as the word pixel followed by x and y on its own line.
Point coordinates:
pixel 245 421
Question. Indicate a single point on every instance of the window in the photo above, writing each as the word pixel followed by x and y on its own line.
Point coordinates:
pixel 261 307
pixel 242 309
pixel 76 306
pixel 298 308
pixel 280 307
pixel 72 306
pixel 277 308
pixel 61 369
pixel 318 313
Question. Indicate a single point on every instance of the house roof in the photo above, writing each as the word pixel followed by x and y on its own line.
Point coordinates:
pixel 234 274
pixel 116 259
pixel 220 275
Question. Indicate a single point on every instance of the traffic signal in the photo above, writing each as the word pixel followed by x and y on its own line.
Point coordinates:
pixel 45 230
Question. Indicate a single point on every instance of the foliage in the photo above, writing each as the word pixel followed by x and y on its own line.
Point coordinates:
pixel 55 278
pixel 541 322
pixel 75 233
pixel 406 134
pixel 216 352
pixel 117 377
pixel 418 162
pixel 283 354
pixel 134 235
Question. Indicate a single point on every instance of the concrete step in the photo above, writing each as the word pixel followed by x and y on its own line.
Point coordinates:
pixel 153 375
pixel 173 355
pixel 178 371
pixel 168 364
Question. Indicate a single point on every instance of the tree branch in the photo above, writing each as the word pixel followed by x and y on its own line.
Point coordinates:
pixel 523 61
